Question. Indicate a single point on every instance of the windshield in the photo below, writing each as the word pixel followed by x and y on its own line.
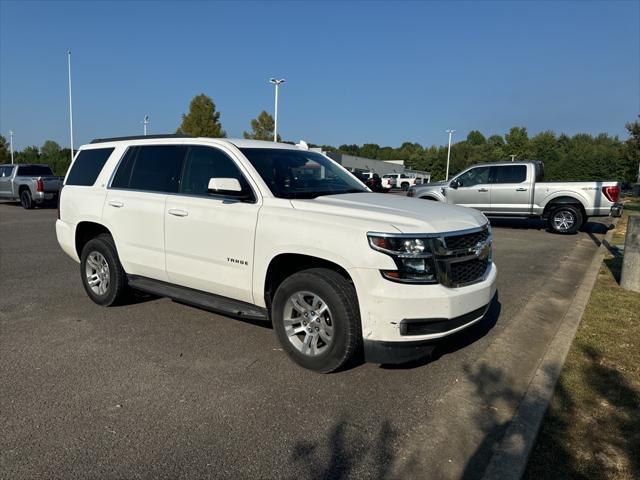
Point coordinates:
pixel 301 174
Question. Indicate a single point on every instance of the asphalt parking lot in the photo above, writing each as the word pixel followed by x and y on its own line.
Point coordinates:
pixel 156 389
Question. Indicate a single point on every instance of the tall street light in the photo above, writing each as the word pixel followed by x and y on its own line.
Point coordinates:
pixel 70 104
pixel 450 132
pixel 11 144
pixel 144 123
pixel 277 83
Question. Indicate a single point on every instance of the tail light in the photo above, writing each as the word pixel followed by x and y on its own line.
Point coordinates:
pixel 39 185
pixel 612 193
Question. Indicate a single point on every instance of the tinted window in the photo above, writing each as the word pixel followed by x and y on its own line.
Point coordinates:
pixel 153 168
pixel 511 174
pixel 300 174
pixel 475 176
pixel 34 171
pixel 204 163
pixel 87 166
pixel 5 171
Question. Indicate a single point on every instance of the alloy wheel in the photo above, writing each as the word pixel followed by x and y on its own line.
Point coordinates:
pixel 308 323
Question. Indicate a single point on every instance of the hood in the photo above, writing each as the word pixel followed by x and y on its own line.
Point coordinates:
pixel 405 214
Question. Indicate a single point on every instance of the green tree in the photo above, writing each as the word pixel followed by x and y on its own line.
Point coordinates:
pixel 5 154
pixel 632 152
pixel 476 138
pixel 517 143
pixel 28 155
pixel 50 149
pixel 262 128
pixel 202 120
pixel 350 149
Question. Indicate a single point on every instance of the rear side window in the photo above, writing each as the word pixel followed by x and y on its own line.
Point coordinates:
pixel 34 171
pixel 511 174
pixel 87 166
pixel 204 163
pixel 153 168
pixel 5 171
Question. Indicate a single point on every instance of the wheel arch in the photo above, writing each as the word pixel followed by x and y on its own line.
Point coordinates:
pixel 87 230
pixel 563 200
pixel 284 265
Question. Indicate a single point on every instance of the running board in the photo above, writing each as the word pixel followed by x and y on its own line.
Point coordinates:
pixel 197 298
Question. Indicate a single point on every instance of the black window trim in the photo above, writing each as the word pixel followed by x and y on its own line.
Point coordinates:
pixel 216 196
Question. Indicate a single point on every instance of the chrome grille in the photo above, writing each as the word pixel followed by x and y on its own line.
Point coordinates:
pixel 462 258
pixel 458 242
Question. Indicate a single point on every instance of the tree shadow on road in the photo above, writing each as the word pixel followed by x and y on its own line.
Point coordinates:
pixel 342 455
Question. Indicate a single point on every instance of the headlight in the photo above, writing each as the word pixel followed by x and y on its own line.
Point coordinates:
pixel 412 255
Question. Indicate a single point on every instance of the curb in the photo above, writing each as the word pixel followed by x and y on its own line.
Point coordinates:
pixel 511 456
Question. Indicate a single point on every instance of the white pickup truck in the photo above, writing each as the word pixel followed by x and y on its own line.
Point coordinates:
pixel 270 231
pixel 517 190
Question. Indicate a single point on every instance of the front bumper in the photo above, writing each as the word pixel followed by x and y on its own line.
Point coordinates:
pixel 398 319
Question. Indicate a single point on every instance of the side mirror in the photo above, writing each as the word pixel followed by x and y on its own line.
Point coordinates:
pixel 454 184
pixel 225 186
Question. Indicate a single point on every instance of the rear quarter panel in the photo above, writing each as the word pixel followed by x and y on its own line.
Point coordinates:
pixel 589 194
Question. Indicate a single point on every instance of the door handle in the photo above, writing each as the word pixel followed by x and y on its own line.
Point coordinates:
pixel 483 189
pixel 521 189
pixel 177 212
pixel 116 203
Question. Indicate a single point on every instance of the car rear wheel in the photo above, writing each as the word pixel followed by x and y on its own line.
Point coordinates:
pixel 103 277
pixel 316 319
pixel 25 200
pixel 405 186
pixel 565 219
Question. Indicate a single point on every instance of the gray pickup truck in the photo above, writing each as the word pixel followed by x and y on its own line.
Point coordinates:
pixel 516 190
pixel 31 184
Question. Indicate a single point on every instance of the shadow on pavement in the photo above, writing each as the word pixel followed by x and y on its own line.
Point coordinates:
pixel 340 456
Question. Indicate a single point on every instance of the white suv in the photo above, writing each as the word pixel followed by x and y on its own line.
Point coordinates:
pixel 271 231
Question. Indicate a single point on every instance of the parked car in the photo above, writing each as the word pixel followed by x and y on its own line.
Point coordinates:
pixel 31 184
pixel 374 181
pixel 400 180
pixel 271 231
pixel 517 190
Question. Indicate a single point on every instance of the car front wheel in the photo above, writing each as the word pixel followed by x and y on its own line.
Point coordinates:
pixel 316 318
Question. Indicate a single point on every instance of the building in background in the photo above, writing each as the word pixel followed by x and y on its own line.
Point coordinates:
pixel 381 167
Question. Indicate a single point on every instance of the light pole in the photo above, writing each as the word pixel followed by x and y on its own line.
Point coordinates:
pixel 277 83
pixel 144 123
pixel 11 144
pixel 450 132
pixel 70 103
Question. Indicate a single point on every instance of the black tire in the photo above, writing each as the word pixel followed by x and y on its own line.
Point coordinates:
pixel 405 186
pixel 25 199
pixel 340 297
pixel 565 219
pixel 117 282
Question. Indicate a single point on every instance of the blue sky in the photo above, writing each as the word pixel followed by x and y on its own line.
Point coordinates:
pixel 357 72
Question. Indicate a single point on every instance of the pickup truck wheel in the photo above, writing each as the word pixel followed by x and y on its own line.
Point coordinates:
pixel 565 219
pixel 405 186
pixel 103 277
pixel 25 200
pixel 316 318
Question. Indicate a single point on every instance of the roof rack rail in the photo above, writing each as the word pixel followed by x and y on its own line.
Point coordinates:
pixel 140 137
